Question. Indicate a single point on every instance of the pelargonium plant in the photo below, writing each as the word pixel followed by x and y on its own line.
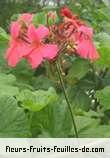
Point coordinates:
pixel 49 42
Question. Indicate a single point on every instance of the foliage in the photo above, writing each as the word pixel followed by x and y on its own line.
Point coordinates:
pixel 15 122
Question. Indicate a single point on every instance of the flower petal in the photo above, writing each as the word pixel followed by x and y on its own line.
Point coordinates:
pixel 83 49
pixel 49 51
pixel 87 50
pixel 15 28
pixel 66 12
pixel 93 52
pixel 37 34
pixel 26 17
pixel 16 51
pixel 42 32
pixel 35 58
pixel 31 33
pixel 12 55
pixel 86 30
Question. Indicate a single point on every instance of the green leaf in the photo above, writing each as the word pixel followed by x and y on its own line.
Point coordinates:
pixel 103 14
pixel 42 82
pixel 104 49
pixel 53 121
pixel 7 79
pixel 103 38
pixel 85 123
pixel 82 101
pixel 104 97
pixel 78 70
pixel 101 131
pixel 105 26
pixel 23 72
pixel 37 100
pixel 3 35
pixel 14 17
pixel 40 18
pixel 90 127
pixel 104 59
pixel 79 99
pixel 13 120
pixel 3 46
pixel 7 85
pixel 8 90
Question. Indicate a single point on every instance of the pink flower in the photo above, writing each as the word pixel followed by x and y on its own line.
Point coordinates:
pixel 66 12
pixel 85 46
pixel 17 46
pixel 39 51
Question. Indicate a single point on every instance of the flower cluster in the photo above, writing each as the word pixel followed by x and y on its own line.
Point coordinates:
pixel 30 42
pixel 78 33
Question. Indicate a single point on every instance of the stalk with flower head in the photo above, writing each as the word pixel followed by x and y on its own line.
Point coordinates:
pixel 50 42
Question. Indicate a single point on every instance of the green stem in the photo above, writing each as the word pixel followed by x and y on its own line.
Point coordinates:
pixel 66 97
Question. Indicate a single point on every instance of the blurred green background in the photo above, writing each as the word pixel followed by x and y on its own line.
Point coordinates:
pixel 10 7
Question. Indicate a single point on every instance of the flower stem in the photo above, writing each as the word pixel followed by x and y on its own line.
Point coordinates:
pixel 58 67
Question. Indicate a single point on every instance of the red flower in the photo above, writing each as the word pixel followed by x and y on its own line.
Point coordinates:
pixel 66 12
pixel 80 34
